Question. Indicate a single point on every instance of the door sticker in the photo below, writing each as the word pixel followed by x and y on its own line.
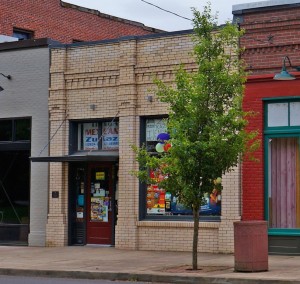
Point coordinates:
pixel 99 209
pixel 100 175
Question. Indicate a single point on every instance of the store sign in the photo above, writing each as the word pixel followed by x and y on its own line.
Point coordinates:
pixel 90 136
pixel 100 175
pixel 110 139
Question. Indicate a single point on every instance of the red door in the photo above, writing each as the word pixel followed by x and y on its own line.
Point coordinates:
pixel 99 204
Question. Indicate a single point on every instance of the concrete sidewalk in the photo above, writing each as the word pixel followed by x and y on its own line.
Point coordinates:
pixel 94 262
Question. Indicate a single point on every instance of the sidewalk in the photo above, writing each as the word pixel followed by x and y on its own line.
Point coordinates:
pixel 93 262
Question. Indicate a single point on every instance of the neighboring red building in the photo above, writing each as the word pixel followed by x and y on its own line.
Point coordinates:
pixel 272 31
pixel 63 22
pixel 271 185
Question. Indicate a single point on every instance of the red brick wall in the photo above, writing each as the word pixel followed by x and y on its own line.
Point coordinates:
pixel 252 172
pixel 48 18
pixel 257 88
pixel 271 35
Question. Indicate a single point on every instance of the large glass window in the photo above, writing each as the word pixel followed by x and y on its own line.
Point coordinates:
pixel 278 114
pixel 12 130
pixel 6 130
pixel 284 183
pixel 22 129
pixel 97 136
pixel 158 201
pixel 282 142
pixel 283 114
pixel 153 128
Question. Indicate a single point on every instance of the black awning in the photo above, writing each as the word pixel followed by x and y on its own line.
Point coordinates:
pixel 105 156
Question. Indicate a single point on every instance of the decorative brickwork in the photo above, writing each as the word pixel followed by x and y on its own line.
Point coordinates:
pixel 270 35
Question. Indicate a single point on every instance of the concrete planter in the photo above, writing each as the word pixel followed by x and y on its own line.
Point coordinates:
pixel 250 246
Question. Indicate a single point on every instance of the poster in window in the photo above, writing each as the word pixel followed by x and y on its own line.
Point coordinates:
pixel 90 136
pixel 160 202
pixel 100 176
pixel 154 127
pixel 110 136
pixel 99 209
pixel 155 200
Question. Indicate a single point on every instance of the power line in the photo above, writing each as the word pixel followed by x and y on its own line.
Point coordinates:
pixel 166 10
pixel 53 135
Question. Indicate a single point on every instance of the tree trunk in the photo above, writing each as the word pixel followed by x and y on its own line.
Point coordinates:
pixel 195 237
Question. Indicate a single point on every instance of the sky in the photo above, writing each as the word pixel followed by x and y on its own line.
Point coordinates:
pixel 137 10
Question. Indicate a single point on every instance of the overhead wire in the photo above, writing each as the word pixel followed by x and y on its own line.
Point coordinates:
pixel 53 136
pixel 167 10
pixel 269 41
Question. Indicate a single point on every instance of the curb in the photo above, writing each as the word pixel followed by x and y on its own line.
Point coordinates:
pixel 143 277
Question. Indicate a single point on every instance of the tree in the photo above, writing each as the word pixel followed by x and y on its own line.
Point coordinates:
pixel 206 122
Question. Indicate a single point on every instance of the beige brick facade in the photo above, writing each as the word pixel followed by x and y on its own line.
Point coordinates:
pixel 117 77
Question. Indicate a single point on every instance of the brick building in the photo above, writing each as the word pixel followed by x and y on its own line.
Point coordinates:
pixel 24 90
pixel 99 106
pixel 271 187
pixel 63 22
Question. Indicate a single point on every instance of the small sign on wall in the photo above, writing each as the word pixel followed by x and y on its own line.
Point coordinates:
pixel 55 194
pixel 100 175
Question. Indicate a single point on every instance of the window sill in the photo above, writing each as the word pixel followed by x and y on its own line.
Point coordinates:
pixel 178 224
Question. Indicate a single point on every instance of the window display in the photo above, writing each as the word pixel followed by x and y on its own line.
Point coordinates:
pixel 160 202
pixel 153 128
pixel 98 136
pixel 110 136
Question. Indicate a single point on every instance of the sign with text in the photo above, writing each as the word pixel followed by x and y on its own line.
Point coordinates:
pixel 100 175
pixel 110 139
pixel 154 127
pixel 90 136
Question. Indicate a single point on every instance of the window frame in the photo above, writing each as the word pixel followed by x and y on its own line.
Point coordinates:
pixel 73 135
pixel 14 128
pixel 27 34
pixel 276 132
pixel 279 129
pixel 143 192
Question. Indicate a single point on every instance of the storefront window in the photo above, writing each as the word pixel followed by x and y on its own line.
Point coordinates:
pixel 153 128
pixel 283 114
pixel 284 185
pixel 160 202
pixel 15 130
pixel 98 136
pixel 278 114
pixel 6 130
pixel 282 144
pixel 22 129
